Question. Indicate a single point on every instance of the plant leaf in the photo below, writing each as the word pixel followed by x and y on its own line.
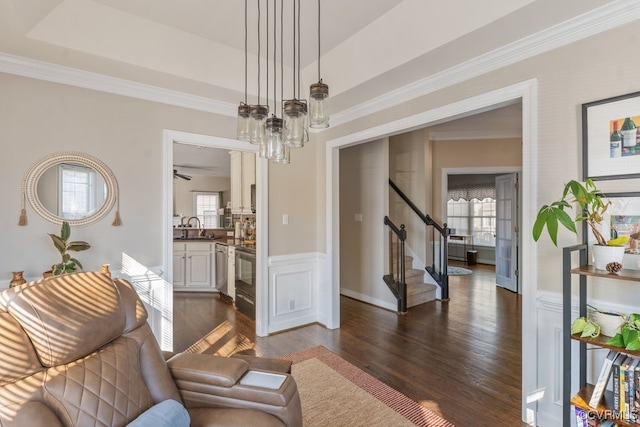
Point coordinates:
pixel 538 226
pixel 629 335
pixel 65 232
pixel 616 340
pixel 78 246
pixel 58 243
pixel 566 220
pixel 578 325
pixel 552 227
pixel 633 345
pixel 76 262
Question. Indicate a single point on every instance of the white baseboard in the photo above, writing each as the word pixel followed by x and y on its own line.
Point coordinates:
pixel 368 299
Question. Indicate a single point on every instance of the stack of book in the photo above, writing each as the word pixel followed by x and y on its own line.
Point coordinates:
pixel 624 371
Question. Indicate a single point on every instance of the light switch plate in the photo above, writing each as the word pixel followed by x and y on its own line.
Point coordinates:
pixel 357 217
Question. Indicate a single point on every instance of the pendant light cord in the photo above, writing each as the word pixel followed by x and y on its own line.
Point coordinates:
pixel 318 40
pixel 245 52
pixel 281 56
pixel 298 97
pixel 258 52
pixel 267 55
pixel 294 49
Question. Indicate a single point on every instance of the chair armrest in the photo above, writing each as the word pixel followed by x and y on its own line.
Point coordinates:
pixel 206 381
pixel 207 369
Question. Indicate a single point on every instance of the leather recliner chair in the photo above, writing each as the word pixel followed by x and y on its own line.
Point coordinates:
pixel 76 350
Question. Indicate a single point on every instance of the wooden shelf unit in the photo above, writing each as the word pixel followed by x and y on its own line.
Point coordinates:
pixel 581 399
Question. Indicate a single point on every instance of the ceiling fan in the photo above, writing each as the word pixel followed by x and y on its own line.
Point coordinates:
pixel 179 175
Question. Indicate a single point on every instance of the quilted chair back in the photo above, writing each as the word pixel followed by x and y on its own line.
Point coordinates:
pixel 77 351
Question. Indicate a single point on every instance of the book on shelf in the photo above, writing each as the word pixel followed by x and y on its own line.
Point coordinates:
pixel 634 401
pixel 603 378
pixel 630 389
pixel 616 380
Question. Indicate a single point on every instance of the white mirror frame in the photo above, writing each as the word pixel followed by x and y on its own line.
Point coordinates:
pixel 30 185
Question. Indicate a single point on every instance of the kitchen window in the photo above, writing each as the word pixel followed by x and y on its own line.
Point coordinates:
pixel 206 205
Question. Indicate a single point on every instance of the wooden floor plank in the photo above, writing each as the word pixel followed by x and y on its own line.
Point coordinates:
pixel 460 358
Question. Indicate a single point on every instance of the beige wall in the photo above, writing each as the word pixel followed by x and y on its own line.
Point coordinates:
pixel 363 172
pixel 482 153
pixel 407 157
pixel 183 191
pixel 38 118
pixel 567 77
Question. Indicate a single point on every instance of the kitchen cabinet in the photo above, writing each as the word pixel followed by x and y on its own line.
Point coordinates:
pixel 243 176
pixel 194 266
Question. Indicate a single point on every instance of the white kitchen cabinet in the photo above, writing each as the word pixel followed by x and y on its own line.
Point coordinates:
pixel 193 266
pixel 243 176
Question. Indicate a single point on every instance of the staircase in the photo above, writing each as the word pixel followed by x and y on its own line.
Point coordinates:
pixel 405 282
pixel 418 292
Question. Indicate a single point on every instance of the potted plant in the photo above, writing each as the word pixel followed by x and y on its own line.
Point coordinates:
pixel 628 337
pixel 591 209
pixel 62 244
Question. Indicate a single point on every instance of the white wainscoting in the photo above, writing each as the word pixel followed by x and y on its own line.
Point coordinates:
pixel 294 283
pixel 550 369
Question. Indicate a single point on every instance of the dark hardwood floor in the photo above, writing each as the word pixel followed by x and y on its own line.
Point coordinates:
pixel 460 358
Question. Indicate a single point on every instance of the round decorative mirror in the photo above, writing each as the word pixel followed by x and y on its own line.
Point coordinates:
pixel 70 186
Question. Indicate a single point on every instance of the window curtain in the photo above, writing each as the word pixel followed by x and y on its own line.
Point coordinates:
pixel 469 187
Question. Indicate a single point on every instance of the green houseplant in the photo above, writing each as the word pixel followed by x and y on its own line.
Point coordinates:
pixel 63 245
pixel 591 209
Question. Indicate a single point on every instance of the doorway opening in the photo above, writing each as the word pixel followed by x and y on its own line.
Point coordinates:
pixel 524 92
pixel 170 137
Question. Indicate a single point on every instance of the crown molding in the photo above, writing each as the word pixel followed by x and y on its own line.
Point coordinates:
pixel 41 70
pixel 601 19
pixel 609 16
pixel 462 135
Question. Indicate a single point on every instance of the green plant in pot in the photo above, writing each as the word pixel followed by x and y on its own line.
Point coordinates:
pixel 591 209
pixel 629 335
pixel 63 245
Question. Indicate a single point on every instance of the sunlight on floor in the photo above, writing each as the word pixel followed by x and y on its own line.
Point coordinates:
pixel 220 341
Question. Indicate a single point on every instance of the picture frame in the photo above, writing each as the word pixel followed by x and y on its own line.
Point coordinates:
pixel 609 151
pixel 622 218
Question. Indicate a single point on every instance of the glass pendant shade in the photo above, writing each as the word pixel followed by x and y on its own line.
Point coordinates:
pixel 263 150
pixel 257 123
pixel 244 116
pixel 319 106
pixel 275 146
pixel 286 158
pixel 295 132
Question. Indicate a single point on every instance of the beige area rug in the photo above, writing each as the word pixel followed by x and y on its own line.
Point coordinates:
pixel 336 393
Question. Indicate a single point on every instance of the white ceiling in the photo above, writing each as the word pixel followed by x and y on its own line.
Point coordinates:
pixel 369 47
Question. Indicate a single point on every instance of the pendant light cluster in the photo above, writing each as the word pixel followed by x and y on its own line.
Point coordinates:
pixel 276 136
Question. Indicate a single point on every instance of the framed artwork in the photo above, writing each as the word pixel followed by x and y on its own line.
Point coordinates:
pixel 611 138
pixel 623 219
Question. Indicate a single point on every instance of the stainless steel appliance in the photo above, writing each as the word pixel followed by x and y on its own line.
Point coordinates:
pixel 222 268
pixel 246 280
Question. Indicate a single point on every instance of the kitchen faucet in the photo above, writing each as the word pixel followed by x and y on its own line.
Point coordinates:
pixel 196 218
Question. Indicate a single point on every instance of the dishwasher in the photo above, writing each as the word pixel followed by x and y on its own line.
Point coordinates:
pixel 221 268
